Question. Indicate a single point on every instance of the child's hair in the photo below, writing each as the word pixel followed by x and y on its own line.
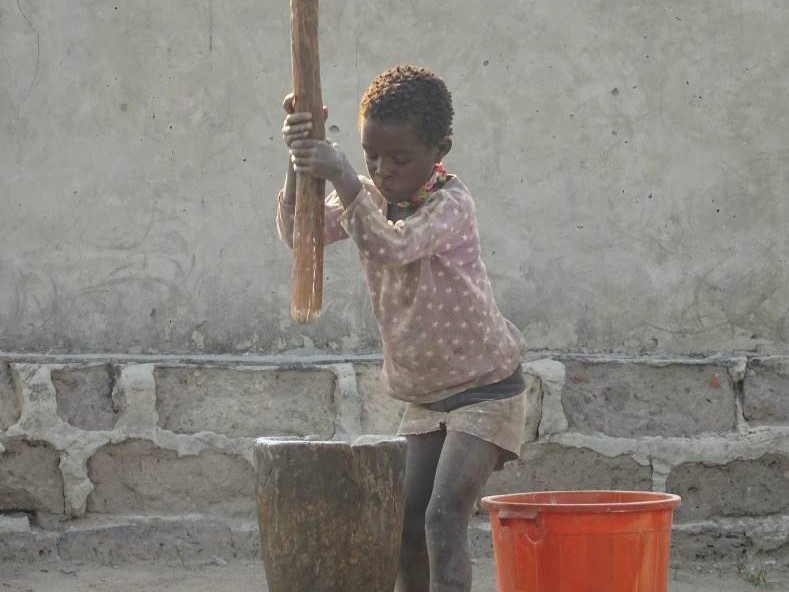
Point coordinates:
pixel 410 93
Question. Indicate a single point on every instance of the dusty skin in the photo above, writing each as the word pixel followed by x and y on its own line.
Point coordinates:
pixel 248 576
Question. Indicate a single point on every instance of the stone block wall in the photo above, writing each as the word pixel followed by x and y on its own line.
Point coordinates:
pixel 115 459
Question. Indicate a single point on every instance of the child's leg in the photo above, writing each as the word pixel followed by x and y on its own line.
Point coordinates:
pixel 465 464
pixel 421 460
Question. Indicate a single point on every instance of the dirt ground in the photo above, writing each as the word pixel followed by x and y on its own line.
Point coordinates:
pixel 248 576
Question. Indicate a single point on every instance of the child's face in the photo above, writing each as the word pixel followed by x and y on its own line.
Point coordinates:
pixel 398 160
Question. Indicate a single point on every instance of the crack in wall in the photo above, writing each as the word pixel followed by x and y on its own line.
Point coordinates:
pixel 38 49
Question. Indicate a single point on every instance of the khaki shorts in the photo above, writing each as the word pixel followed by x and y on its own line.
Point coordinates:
pixel 502 422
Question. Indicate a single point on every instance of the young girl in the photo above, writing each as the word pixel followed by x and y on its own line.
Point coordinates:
pixel 448 351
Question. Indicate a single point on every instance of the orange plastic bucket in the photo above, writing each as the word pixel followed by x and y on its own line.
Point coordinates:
pixel 582 541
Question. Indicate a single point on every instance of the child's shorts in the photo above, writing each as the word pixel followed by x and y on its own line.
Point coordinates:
pixel 500 422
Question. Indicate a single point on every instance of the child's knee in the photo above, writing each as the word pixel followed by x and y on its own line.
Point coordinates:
pixel 444 517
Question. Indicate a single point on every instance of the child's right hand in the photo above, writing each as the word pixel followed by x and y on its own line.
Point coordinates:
pixel 297 125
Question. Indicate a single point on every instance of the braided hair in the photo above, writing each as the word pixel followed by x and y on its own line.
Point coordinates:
pixel 410 93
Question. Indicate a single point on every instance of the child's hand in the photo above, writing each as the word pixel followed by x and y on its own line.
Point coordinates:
pixel 317 158
pixel 297 125
pixel 289 104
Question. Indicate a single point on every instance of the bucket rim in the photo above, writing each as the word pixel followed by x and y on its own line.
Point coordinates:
pixel 533 502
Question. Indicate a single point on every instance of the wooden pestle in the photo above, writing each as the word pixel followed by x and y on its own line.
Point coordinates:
pixel 307 287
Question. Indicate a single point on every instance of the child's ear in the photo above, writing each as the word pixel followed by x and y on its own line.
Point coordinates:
pixel 444 146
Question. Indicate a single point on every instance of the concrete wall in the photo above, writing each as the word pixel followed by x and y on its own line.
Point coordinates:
pixel 629 161
pixel 154 461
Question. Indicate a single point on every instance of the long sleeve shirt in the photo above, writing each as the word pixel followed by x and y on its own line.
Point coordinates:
pixel 441 330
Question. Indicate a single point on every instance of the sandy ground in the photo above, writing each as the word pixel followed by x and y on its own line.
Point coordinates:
pixel 248 576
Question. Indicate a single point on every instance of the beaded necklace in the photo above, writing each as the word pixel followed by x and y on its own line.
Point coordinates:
pixel 424 193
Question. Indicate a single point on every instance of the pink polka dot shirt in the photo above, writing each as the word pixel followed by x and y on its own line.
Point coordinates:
pixel 440 327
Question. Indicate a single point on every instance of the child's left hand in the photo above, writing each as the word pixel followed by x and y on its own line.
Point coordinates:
pixel 317 158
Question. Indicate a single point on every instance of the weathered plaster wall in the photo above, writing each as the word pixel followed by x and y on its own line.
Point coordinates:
pixel 629 160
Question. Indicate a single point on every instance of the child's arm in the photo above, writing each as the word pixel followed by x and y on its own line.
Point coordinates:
pixel 445 223
pixel 289 189
pixel 297 126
